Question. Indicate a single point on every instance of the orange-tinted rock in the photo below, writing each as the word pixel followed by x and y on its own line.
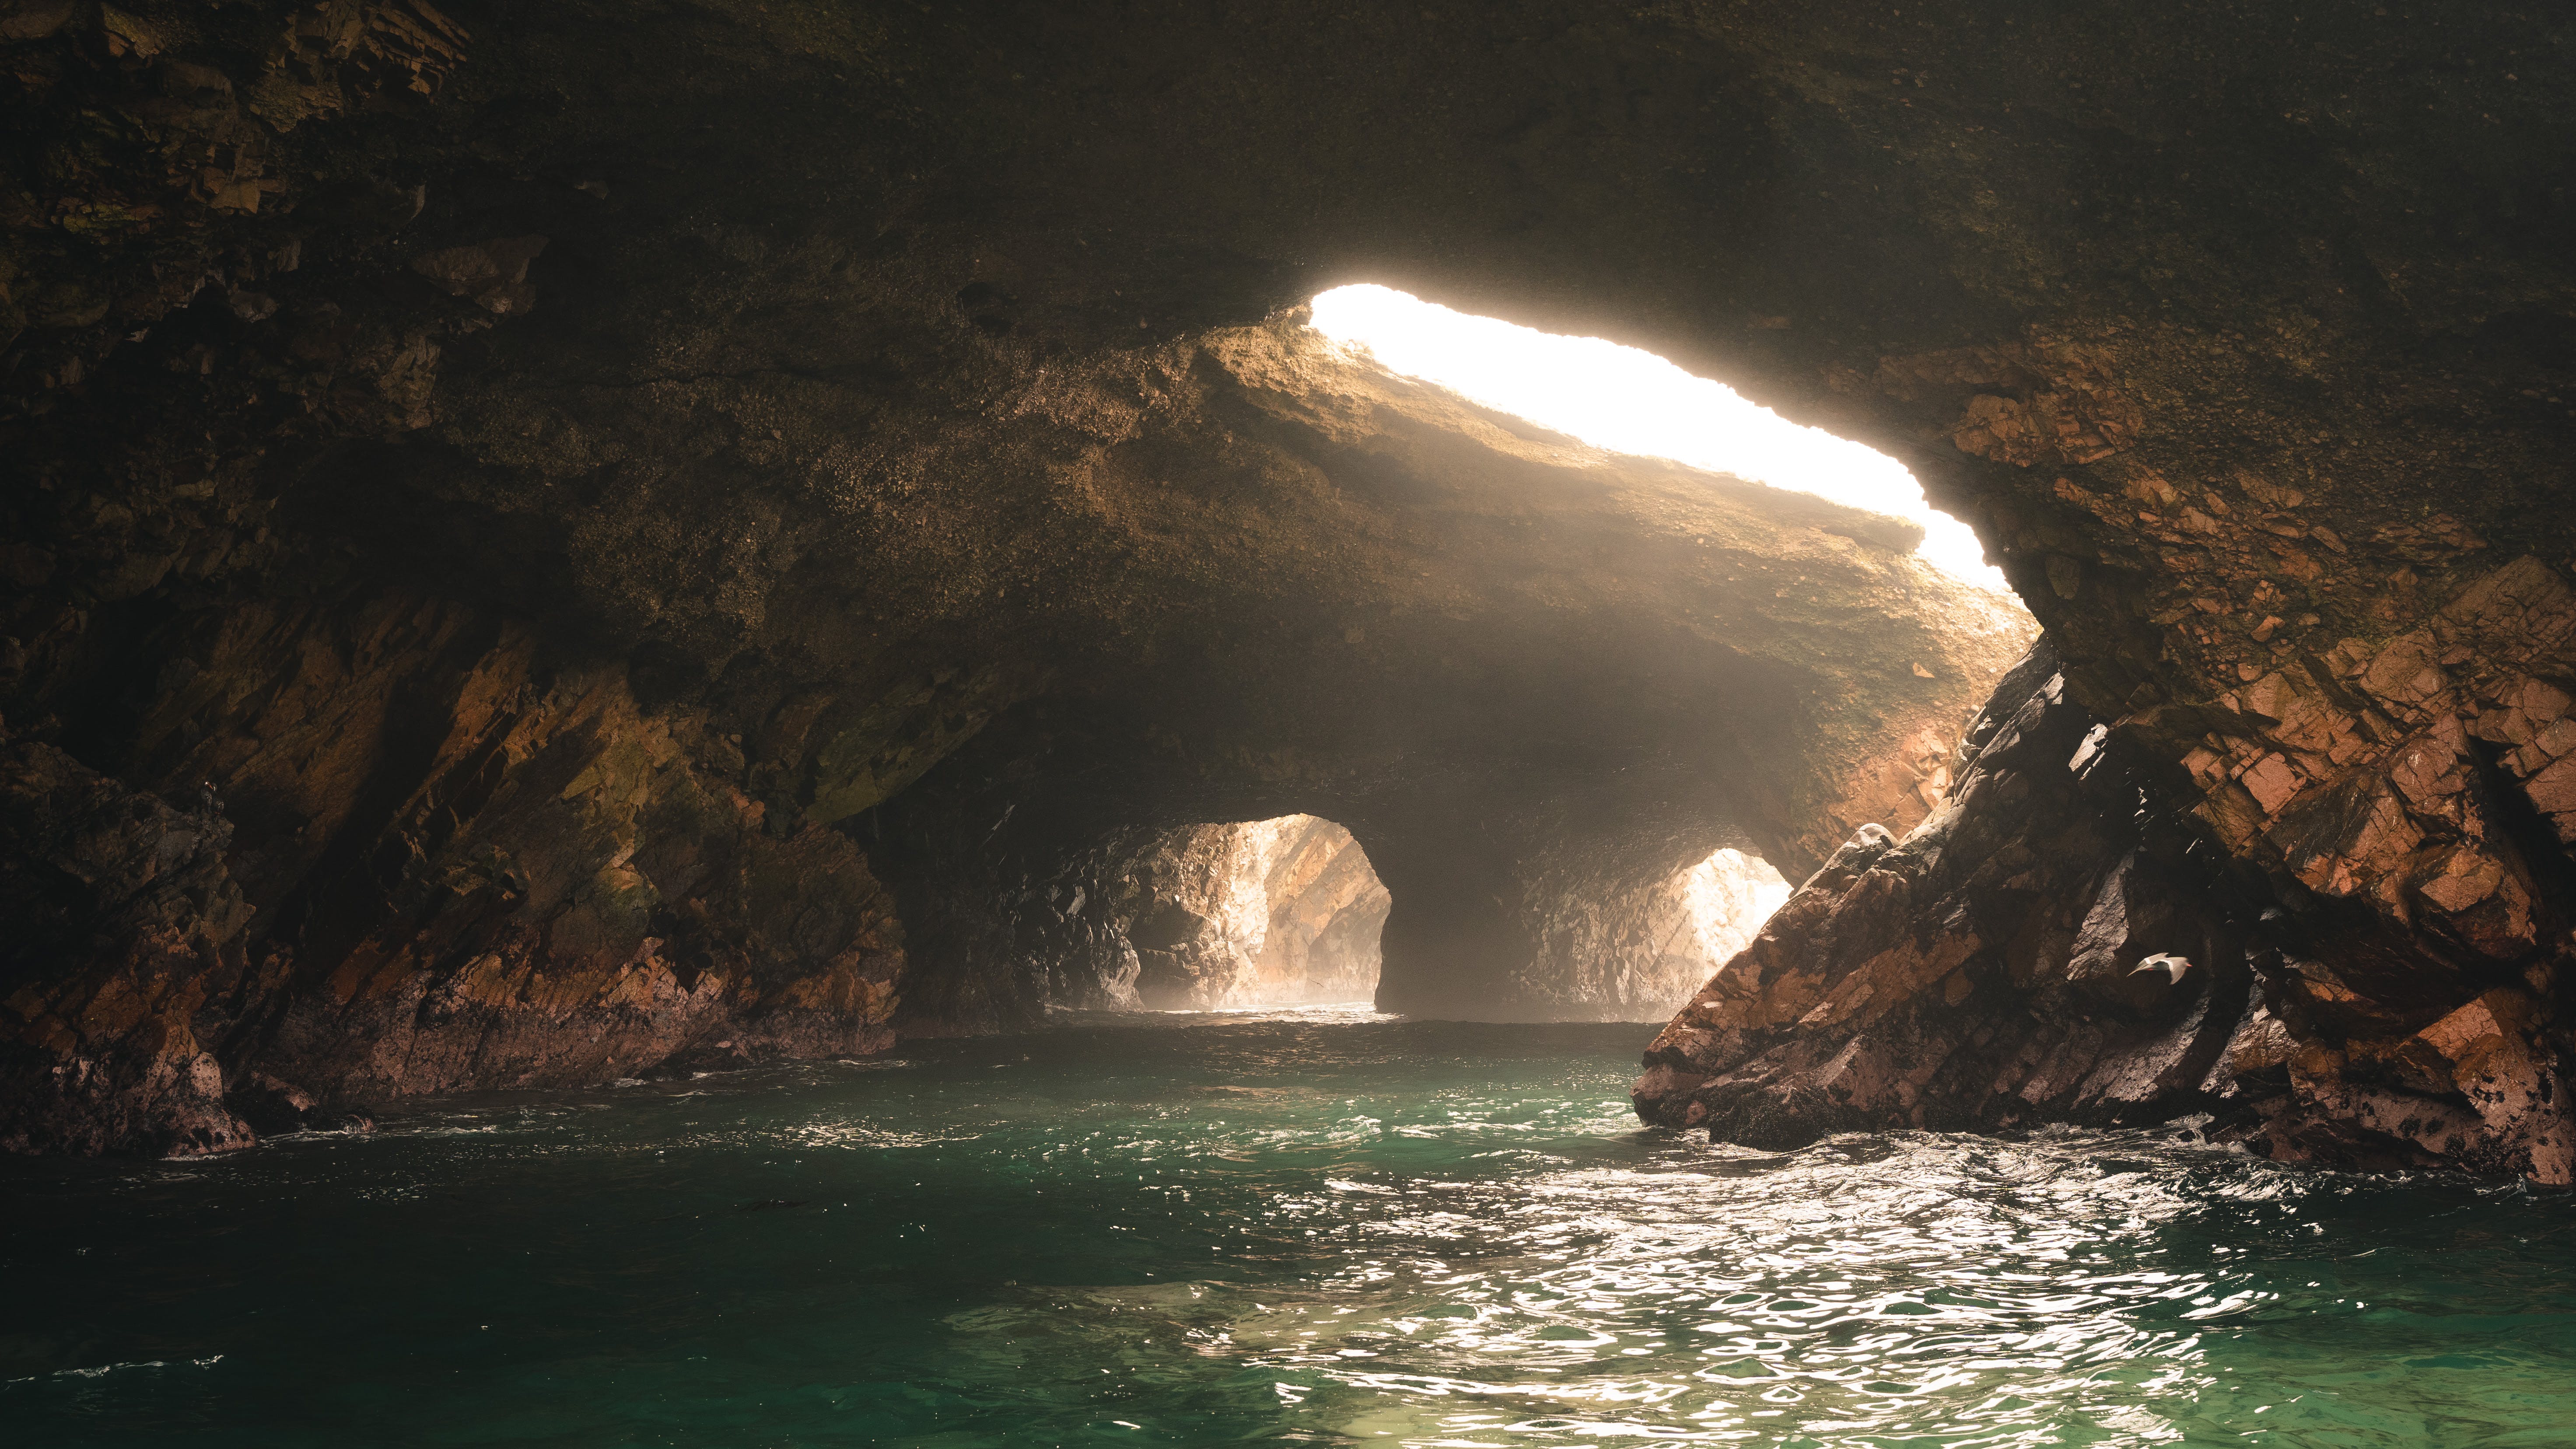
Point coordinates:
pixel 123 943
pixel 2031 952
pixel 1273 912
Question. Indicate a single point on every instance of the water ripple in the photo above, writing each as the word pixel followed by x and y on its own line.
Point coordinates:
pixel 1328 1228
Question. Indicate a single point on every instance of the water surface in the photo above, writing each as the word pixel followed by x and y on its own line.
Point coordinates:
pixel 1316 1227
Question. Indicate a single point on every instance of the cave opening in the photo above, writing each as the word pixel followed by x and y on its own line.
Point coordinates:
pixel 1591 652
pixel 1257 913
pixel 1628 400
pixel 1728 897
pixel 1288 912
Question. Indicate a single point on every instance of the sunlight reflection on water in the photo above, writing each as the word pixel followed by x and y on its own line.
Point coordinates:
pixel 1268 1227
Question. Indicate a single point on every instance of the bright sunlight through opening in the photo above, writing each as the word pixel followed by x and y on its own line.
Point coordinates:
pixel 1630 401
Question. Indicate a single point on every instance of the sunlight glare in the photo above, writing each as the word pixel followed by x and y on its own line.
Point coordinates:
pixel 1729 896
pixel 1631 401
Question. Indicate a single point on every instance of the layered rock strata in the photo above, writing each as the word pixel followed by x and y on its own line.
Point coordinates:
pixel 2060 941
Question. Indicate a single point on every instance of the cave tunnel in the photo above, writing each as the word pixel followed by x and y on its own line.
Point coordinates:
pixel 1288 912
pixel 1543 683
pixel 1279 912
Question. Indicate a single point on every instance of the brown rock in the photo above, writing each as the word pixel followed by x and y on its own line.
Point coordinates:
pixel 494 274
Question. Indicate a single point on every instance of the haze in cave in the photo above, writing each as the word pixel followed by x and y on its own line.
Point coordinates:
pixel 842 723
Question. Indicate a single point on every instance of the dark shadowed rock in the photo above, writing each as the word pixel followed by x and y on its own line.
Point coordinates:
pixel 124 961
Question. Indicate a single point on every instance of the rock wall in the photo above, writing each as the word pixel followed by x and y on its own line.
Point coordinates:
pixel 436 861
pixel 124 932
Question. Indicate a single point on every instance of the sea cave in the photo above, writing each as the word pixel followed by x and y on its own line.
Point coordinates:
pixel 819 722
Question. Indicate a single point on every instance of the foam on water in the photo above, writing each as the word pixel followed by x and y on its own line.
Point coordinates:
pixel 1323 1227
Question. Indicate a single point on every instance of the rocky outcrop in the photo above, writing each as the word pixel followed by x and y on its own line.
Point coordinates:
pixel 436 862
pixel 2053 945
pixel 123 943
pixel 2307 598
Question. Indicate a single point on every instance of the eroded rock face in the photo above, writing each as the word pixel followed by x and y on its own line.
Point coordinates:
pixel 454 865
pixel 124 940
pixel 2051 945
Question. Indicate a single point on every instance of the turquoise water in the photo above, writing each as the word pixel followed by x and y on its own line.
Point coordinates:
pixel 1310 1228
